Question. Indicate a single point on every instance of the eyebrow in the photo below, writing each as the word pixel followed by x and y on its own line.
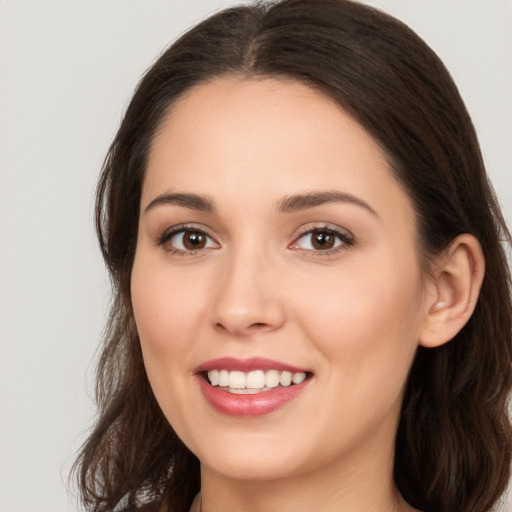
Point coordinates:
pixel 289 204
pixel 192 201
pixel 310 200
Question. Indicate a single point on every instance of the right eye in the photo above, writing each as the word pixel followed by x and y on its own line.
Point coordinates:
pixel 186 241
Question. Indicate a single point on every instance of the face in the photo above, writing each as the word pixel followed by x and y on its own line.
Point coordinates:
pixel 276 285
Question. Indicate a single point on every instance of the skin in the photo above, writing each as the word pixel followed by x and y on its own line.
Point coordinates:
pixel 353 316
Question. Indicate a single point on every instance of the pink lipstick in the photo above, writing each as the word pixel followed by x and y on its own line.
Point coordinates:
pixel 250 387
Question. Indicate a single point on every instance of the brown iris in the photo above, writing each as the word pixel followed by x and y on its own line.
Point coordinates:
pixel 193 240
pixel 322 240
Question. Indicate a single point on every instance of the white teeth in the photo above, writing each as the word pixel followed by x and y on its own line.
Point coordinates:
pixel 285 379
pixel 237 380
pixel 255 381
pixel 223 378
pixel 272 379
pixel 297 378
pixel 214 377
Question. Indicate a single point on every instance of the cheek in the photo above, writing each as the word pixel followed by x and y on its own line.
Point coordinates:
pixel 164 308
pixel 366 321
pixel 162 315
pixel 165 305
pixel 151 306
pixel 366 331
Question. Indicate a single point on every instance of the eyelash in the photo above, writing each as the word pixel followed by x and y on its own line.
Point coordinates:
pixel 344 238
pixel 168 235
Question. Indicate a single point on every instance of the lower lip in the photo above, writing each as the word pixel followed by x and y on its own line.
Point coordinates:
pixel 252 405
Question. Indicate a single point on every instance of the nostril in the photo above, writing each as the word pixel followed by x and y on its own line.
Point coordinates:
pixel 258 325
pixel 238 318
pixel 253 327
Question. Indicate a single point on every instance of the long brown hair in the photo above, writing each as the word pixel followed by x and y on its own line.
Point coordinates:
pixel 454 440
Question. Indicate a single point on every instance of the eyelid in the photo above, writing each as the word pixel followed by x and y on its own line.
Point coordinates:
pixel 346 238
pixel 163 238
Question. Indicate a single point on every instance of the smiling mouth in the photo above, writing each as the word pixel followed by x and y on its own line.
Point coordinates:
pixel 256 381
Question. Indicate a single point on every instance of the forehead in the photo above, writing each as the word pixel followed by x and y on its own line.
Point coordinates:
pixel 267 138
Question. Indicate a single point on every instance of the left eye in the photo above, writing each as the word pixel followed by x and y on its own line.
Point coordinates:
pixel 190 240
pixel 320 239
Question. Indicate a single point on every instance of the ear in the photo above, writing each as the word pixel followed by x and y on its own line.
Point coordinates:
pixel 452 291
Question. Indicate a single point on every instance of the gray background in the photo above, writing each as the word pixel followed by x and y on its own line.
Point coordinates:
pixel 67 69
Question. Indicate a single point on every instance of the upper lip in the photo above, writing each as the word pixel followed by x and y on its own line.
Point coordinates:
pixel 247 365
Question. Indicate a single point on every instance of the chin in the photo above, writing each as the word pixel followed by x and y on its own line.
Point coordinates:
pixel 255 467
pixel 249 454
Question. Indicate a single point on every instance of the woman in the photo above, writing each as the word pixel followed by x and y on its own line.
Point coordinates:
pixel 312 304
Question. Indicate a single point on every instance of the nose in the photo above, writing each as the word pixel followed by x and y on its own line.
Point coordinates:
pixel 248 296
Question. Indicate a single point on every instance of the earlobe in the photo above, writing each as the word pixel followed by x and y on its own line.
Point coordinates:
pixel 453 291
